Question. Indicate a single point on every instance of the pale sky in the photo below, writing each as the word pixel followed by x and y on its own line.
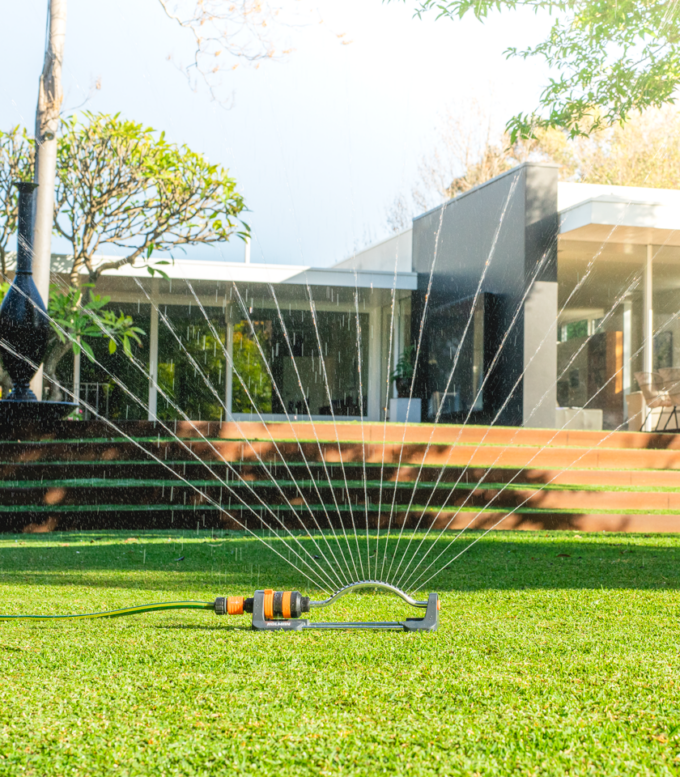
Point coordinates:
pixel 319 143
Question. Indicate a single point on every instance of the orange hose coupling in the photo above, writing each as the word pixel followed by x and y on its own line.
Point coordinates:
pixel 235 605
pixel 268 603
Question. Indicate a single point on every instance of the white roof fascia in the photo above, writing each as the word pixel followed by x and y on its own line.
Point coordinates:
pixel 363 279
pixel 570 194
pixel 617 212
pixel 240 272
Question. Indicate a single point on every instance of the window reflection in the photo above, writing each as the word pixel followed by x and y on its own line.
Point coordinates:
pixel 295 364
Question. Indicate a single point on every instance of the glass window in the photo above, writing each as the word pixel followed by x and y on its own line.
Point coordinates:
pixel 446 337
pixel 666 306
pixel 574 329
pixel 255 383
pixel 299 377
pixel 600 303
pixel 191 363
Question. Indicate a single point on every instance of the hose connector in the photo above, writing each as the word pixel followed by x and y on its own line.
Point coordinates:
pixel 229 605
pixel 277 604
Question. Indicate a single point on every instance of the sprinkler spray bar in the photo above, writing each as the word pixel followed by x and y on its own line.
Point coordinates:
pixel 277 610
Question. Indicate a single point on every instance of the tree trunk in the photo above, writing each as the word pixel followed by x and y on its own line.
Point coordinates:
pixel 46 128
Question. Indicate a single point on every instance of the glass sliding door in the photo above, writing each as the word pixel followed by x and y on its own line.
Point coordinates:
pixel 300 374
pixel 191 363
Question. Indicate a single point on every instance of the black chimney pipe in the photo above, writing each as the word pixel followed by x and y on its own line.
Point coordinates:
pixel 24 326
pixel 25 226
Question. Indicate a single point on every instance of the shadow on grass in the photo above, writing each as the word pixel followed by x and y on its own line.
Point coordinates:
pixel 498 561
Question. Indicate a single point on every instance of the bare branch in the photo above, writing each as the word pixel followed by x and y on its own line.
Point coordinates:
pixel 228 32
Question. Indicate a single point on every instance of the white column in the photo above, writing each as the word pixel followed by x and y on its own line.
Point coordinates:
pixel 396 346
pixel 627 351
pixel 153 353
pixel 76 376
pixel 372 388
pixel 228 367
pixel 647 322
pixel 648 314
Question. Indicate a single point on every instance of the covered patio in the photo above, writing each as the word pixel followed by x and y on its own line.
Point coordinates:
pixel 625 243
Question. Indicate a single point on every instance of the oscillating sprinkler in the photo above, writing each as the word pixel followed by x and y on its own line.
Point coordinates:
pixel 279 610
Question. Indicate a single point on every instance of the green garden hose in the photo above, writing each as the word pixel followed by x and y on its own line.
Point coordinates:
pixel 116 613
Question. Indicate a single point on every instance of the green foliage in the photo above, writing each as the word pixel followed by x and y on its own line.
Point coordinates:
pixel 613 58
pixel 87 316
pixel 557 654
pixel 192 376
pixel 249 365
pixel 404 367
pixel 84 317
pixel 121 184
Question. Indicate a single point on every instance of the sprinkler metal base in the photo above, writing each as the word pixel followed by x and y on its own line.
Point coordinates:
pixel 262 620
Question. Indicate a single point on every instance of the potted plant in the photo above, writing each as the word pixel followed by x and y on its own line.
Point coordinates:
pixel 402 374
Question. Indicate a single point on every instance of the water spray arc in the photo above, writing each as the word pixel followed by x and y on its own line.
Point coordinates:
pixel 405 571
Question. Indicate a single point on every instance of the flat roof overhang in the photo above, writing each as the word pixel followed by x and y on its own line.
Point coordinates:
pixel 611 219
pixel 277 274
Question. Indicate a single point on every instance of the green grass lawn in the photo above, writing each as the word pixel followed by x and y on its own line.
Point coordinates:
pixel 556 654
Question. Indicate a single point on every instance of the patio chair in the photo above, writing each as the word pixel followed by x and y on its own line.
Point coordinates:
pixel 671 383
pixel 656 396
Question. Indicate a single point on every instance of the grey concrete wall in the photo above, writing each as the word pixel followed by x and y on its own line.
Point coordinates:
pixel 504 232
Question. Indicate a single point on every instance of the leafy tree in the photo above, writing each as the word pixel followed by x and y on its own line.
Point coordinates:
pixel 613 58
pixel 469 150
pixel 645 151
pixel 122 185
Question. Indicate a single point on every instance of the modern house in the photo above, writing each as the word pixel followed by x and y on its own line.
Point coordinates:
pixel 529 298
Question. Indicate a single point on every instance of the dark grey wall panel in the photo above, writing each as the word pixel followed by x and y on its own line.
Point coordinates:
pixel 463 231
pixel 496 233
